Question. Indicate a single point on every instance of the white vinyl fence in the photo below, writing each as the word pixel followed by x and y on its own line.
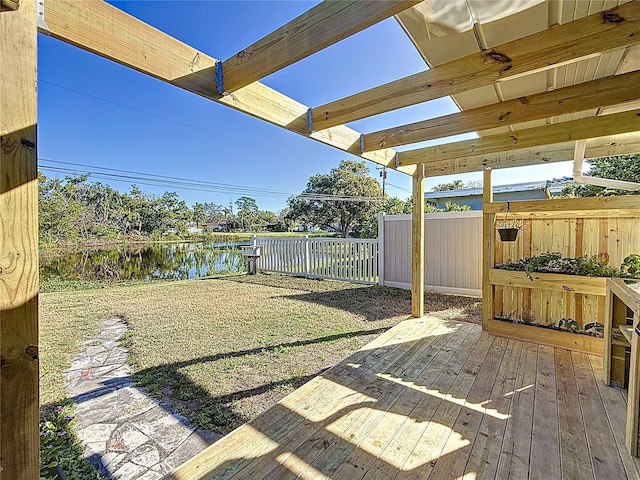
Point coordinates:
pixel 452 250
pixel 453 254
pixel 350 259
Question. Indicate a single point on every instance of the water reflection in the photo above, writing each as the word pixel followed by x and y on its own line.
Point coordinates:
pixel 142 262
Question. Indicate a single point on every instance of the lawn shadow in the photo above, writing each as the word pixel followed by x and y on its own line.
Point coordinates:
pixel 169 384
pixel 373 302
pixel 379 303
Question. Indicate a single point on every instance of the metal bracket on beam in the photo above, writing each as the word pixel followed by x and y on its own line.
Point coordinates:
pixel 219 78
pixel 310 119
pixel 397 159
pixel 40 9
pixel 362 143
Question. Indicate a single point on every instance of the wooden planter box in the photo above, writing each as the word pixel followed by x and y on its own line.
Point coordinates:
pixel 567 293
pixel 550 281
pixel 547 336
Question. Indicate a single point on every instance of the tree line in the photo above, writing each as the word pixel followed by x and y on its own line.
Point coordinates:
pixel 346 200
pixel 74 210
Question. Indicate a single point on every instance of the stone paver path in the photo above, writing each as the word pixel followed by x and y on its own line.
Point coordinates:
pixel 127 434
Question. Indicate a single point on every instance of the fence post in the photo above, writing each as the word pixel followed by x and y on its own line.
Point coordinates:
pixel 381 249
pixel 307 260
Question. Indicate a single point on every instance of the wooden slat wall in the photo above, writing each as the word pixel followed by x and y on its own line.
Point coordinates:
pixel 610 238
pixel 453 252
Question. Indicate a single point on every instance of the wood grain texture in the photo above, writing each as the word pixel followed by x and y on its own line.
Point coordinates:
pixel 622 144
pixel 549 281
pixel 488 249
pixel 317 28
pixel 417 246
pixel 103 29
pixel 576 98
pixel 543 336
pixel 19 409
pixel 605 206
pixel 575 461
pixel 542 50
pixel 9 5
pixel 604 462
pixel 531 137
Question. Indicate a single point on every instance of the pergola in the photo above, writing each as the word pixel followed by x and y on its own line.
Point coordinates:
pixel 534 78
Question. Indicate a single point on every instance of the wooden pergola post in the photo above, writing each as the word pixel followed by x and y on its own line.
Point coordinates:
pixel 488 236
pixel 417 245
pixel 19 410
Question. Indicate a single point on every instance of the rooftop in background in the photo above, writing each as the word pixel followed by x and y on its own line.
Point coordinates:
pixel 515 191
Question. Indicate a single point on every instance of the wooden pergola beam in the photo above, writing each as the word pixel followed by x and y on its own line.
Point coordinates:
pixel 623 144
pixel 576 98
pixel 105 30
pixel 321 26
pixel 600 32
pixel 19 408
pixel 9 4
pixel 532 137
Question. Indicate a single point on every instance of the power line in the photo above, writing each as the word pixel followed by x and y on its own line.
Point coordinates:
pixel 399 188
pixel 178 122
pixel 135 109
pixel 159 178
pixel 130 177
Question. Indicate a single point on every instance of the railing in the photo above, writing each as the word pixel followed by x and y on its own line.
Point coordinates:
pixel 350 259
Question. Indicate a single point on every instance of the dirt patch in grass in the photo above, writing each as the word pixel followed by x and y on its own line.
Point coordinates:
pixel 222 350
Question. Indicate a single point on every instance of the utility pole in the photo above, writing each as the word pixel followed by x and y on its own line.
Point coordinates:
pixel 383 174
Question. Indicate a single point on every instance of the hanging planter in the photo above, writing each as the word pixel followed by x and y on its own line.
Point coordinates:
pixel 508 227
pixel 508 234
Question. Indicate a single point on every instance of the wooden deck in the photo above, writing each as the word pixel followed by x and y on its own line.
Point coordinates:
pixel 438 400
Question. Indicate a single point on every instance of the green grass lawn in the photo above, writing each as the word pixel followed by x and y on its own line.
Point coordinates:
pixel 222 350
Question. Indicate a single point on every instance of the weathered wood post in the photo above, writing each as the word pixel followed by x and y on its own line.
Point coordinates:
pixel 417 245
pixel 19 415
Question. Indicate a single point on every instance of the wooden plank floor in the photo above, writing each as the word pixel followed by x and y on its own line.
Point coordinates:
pixel 436 400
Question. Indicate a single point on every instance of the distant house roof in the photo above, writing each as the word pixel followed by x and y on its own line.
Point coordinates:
pixel 554 187
pixel 472 197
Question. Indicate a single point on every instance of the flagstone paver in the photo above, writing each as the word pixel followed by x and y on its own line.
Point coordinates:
pixel 127 434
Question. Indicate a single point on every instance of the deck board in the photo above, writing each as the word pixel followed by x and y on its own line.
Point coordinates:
pixel 438 400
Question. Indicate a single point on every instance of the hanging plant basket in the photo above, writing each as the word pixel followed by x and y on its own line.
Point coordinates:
pixel 508 227
pixel 508 234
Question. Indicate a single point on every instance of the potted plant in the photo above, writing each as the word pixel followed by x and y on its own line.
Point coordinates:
pixel 508 227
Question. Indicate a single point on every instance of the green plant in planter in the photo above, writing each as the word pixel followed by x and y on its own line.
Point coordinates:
pixel 595 329
pixel 631 265
pixel 555 263
pixel 569 324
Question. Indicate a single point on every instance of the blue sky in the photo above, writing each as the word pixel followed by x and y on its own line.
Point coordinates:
pixel 96 112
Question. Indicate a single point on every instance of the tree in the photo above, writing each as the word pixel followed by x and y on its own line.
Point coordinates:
pixel 247 212
pixel 395 206
pixel 456 185
pixel 620 167
pixel 350 181
pixel 390 206
pixel 443 187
